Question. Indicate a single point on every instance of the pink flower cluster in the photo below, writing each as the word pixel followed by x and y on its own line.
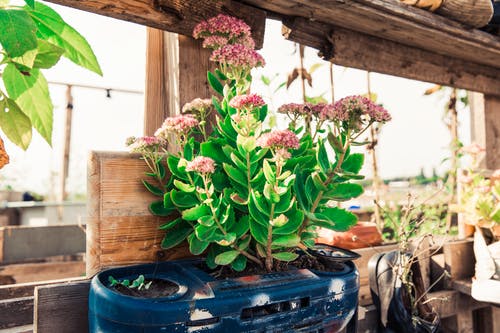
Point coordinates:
pixel 246 101
pixel 201 164
pixel 145 143
pixel 356 106
pixel 294 108
pixel 238 55
pixel 222 25
pixel 278 139
pixel 198 105
pixel 179 124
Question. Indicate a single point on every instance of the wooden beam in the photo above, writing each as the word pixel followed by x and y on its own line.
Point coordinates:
pixel 21 243
pixel 358 50
pixel 492 131
pixel 16 312
pixel 173 15
pixel 27 289
pixel 161 96
pixel 62 308
pixel 391 20
pixel 459 259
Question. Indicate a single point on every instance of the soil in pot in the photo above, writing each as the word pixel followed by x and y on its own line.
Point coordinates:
pixel 158 288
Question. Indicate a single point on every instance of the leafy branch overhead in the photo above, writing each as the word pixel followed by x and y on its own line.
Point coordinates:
pixel 34 37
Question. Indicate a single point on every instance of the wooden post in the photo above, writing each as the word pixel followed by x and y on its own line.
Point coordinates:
pixel 492 131
pixel 67 142
pixel 161 97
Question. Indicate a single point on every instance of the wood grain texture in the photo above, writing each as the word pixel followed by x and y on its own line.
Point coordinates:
pixel 27 289
pixel 391 20
pixel 358 50
pixel 179 16
pixel 492 131
pixel 24 273
pixel 16 312
pixel 21 243
pixel 121 230
pixel 459 259
pixel 161 96
pixel 62 308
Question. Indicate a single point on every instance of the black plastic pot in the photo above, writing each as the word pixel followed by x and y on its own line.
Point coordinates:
pixel 294 301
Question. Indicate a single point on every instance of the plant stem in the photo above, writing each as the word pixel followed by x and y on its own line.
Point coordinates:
pixel 269 255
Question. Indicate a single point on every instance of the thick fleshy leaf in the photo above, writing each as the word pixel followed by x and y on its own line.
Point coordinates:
pixel 285 256
pixel 241 227
pixel 353 163
pixel 52 28
pixel 194 213
pixel 153 189
pixel 205 233
pixel 239 263
pixel 31 93
pixel 322 157
pixel 14 123
pixel 183 186
pixel 173 163
pixel 17 32
pixel 176 236
pixel 157 208
pixel 235 174
pixel 196 246
pixel 268 172
pixel 344 191
pixel 183 200
pixel 259 232
pixel 226 258
pixel 286 241
pixel 215 83
pixel 340 219
pixel 171 224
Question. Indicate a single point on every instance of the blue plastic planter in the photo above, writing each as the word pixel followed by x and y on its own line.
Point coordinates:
pixel 293 301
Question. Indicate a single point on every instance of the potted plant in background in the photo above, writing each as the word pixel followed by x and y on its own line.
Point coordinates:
pixel 480 204
pixel 249 199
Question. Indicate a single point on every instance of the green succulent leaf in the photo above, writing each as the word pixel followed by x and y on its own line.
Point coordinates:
pixel 226 258
pixel 258 232
pixel 183 186
pixel 235 174
pixel 214 151
pixel 196 212
pixel 52 28
pixel 268 172
pixel 205 233
pixel 175 236
pixel 285 256
pixel 353 163
pixel 291 240
pixel 196 246
pixel 157 208
pixel 295 219
pixel 239 263
pixel 14 123
pixel 241 227
pixel 322 157
pixel 344 191
pixel 183 200
pixel 337 219
pixel 153 189
pixel 171 224
pixel 215 83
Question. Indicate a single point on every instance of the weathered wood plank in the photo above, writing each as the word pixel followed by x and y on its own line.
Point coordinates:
pixel 492 131
pixel 120 229
pixel 353 49
pixel 27 289
pixel 21 243
pixel 172 15
pixel 162 75
pixel 62 308
pixel 16 312
pixel 391 20
pixel 25 273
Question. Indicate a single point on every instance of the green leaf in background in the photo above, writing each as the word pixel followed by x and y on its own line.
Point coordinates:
pixel 30 3
pixel 14 123
pixel 341 219
pixel 285 256
pixel 215 83
pixel 239 263
pixel 322 157
pixel 52 28
pixel 17 32
pixel 48 54
pixel 153 189
pixel 157 208
pixel 170 224
pixel 176 236
pixel 226 258
pixel 31 93
pixel 353 163
pixel 192 214
pixel 183 200
pixel 258 231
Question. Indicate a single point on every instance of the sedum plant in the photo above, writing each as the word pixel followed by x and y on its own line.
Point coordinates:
pixel 33 37
pixel 242 192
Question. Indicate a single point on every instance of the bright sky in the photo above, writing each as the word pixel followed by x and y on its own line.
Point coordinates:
pixel 415 138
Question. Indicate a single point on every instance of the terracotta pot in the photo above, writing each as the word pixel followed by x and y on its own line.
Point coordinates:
pixel 363 234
